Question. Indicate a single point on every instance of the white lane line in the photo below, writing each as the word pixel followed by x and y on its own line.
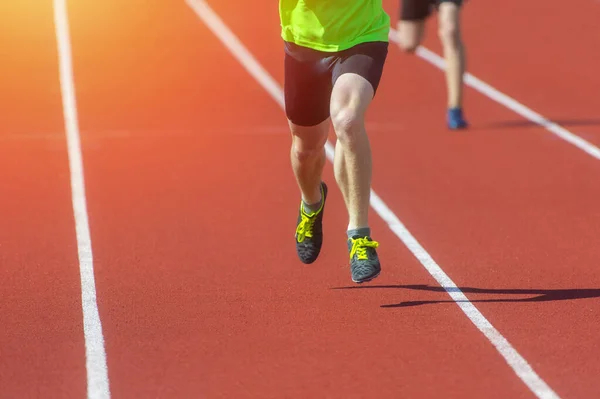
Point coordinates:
pixel 95 355
pixel 520 366
pixel 508 102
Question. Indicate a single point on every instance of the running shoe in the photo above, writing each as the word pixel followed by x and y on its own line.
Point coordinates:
pixel 455 119
pixel 364 262
pixel 309 230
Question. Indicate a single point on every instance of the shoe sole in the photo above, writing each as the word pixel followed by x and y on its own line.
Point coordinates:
pixel 458 127
pixel 309 262
pixel 366 280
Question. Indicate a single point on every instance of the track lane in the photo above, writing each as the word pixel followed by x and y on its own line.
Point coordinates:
pixel 547 193
pixel 499 209
pixel 197 297
pixel 41 340
pixel 540 53
pixel 510 219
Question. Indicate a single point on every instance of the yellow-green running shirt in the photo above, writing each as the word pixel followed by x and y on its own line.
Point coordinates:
pixel 333 25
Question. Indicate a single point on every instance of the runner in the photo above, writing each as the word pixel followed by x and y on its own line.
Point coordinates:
pixel 335 52
pixel 410 33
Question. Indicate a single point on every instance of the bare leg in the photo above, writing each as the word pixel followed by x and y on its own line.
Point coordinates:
pixel 454 53
pixel 308 158
pixel 350 98
pixel 410 34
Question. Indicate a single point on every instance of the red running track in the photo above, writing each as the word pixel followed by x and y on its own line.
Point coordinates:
pixel 41 341
pixel 192 208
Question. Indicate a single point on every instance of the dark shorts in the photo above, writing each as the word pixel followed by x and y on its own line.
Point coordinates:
pixel 310 76
pixel 417 10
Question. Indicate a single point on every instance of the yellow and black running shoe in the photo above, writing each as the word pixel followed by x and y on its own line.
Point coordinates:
pixel 309 230
pixel 364 262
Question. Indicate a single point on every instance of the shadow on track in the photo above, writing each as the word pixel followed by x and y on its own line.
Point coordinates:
pixel 541 295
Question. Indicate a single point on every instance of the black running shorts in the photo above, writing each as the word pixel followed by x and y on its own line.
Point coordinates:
pixel 417 10
pixel 309 76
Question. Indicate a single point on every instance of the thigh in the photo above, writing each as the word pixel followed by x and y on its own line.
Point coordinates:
pixel 307 85
pixel 309 138
pixel 415 10
pixel 451 7
pixel 458 3
pixel 356 77
pixel 410 34
pixel 366 60
pixel 449 15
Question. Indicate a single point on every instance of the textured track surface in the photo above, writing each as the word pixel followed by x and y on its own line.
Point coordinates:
pixel 192 205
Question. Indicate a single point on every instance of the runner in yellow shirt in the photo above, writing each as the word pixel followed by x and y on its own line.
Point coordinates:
pixel 335 51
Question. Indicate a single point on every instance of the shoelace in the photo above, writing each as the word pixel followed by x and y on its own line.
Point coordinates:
pixel 305 227
pixel 359 247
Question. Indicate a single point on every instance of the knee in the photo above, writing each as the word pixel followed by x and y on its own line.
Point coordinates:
pixel 308 142
pixel 409 35
pixel 347 123
pixel 407 45
pixel 305 154
pixel 449 34
pixel 408 41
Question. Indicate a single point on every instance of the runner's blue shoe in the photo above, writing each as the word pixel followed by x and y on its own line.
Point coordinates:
pixel 455 119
